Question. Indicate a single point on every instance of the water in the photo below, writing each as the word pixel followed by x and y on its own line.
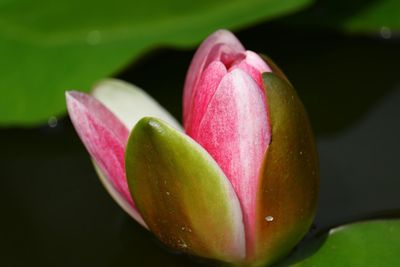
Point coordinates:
pixel 269 218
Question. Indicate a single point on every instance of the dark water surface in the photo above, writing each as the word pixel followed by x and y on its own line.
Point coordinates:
pixel 54 211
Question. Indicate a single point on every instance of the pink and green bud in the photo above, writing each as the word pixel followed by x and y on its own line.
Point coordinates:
pixel 239 184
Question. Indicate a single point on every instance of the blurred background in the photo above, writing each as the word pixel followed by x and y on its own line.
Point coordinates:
pixel 342 57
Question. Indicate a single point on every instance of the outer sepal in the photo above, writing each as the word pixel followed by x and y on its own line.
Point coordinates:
pixel 182 194
pixel 275 68
pixel 288 191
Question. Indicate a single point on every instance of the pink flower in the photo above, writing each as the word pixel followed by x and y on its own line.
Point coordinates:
pixel 240 185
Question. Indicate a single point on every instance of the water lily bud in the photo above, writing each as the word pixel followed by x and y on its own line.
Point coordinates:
pixel 246 114
pixel 239 184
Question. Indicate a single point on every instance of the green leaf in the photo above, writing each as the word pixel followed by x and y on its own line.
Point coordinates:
pixel 47 47
pixel 369 243
pixel 182 194
pixel 357 16
pixel 376 16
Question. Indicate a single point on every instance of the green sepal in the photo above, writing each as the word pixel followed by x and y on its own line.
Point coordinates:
pixel 288 190
pixel 182 194
pixel 275 68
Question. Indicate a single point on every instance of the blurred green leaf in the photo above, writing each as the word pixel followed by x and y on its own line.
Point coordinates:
pixel 47 47
pixel 356 16
pixel 382 15
pixel 371 243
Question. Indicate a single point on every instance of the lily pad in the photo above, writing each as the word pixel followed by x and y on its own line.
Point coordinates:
pixel 369 243
pixel 48 47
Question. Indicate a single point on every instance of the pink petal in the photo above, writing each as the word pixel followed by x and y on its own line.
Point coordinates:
pixel 224 53
pixel 208 84
pixel 198 63
pixel 105 138
pixel 235 131
pixel 253 65
pixel 253 59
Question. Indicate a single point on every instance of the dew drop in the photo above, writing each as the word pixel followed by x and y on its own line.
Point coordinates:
pixel 386 32
pixel 168 193
pixel 269 218
pixel 52 122
pixel 182 244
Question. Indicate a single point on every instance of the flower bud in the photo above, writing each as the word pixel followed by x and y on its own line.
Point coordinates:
pixel 239 184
